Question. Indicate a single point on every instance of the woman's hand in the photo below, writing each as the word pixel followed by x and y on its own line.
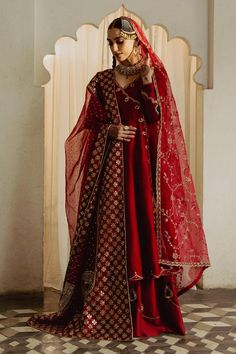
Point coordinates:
pixel 122 132
pixel 147 74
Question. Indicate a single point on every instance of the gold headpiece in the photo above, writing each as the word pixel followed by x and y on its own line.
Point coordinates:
pixel 128 35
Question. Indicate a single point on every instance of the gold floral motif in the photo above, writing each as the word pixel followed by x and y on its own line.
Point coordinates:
pixel 110 237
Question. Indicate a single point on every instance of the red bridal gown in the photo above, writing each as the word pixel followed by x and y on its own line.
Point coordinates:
pixel 155 306
pixel 121 281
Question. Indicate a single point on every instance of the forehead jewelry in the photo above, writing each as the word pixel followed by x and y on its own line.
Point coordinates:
pixel 128 35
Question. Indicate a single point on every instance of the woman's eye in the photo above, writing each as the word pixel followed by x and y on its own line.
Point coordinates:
pixel 118 42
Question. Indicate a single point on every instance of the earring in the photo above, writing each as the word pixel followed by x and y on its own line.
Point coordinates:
pixel 135 51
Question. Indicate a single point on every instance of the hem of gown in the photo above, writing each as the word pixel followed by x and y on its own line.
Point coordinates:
pixel 59 333
pixel 182 291
pixel 164 331
pixel 80 336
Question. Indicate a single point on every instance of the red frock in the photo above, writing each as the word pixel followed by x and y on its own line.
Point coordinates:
pixel 123 276
pixel 136 233
pixel 138 107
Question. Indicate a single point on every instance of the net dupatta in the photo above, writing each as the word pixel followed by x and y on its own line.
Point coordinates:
pixel 78 150
pixel 181 239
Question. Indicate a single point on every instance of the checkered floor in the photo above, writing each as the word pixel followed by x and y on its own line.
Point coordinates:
pixel 209 316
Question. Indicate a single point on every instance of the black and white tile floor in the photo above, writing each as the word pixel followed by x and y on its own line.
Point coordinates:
pixel 209 316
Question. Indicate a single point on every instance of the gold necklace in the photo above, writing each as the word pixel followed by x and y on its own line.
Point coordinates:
pixel 132 70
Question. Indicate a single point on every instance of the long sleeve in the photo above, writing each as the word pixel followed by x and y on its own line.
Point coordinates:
pixel 149 103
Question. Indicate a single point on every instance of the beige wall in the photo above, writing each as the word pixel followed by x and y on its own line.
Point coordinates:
pixel 220 151
pixel 55 18
pixel 28 31
pixel 21 152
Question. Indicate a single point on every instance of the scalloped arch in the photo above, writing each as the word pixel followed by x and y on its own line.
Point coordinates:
pixel 157 34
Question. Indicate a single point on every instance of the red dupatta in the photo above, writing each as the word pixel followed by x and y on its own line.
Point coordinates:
pixel 78 150
pixel 181 238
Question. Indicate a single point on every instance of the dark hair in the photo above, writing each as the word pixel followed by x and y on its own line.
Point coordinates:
pixel 122 23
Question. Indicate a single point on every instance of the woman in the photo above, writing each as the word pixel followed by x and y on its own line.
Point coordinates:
pixel 136 235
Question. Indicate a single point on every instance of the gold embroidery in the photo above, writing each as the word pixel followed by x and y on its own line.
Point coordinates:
pixel 136 277
pixel 111 285
pixel 87 282
pixel 149 98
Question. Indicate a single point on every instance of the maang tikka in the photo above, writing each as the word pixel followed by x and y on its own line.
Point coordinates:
pixel 128 35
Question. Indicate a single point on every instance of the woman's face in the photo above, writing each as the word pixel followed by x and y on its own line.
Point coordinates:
pixel 120 47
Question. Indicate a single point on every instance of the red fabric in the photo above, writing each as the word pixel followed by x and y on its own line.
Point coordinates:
pixel 78 148
pixel 137 107
pixel 142 245
pixel 153 313
pixel 182 244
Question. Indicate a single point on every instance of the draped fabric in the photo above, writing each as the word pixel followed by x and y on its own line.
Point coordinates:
pixel 179 230
pixel 122 199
